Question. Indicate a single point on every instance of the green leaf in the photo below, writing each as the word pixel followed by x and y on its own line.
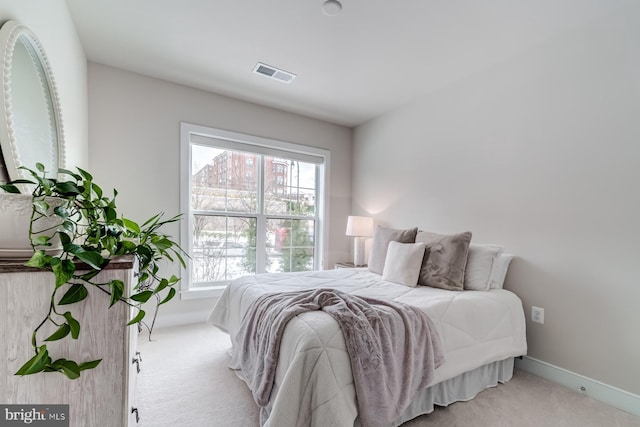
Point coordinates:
pixel 63 271
pixel 90 275
pixel 38 260
pixel 127 246
pixel 89 365
pixel 46 185
pixel 68 172
pixel 61 211
pixel 110 243
pixel 41 207
pixel 181 259
pixel 163 284
pixel 110 213
pixel 142 296
pixel 71 248
pixel 22 181
pixel 144 252
pixel 65 239
pixel 77 292
pixel 169 297
pixel 40 167
pixel 10 188
pixel 67 188
pixel 74 325
pixel 131 226
pixel 69 227
pixel 112 202
pixel 67 367
pixel 94 260
pixel 117 289
pixel 143 277
pixel 138 318
pixel 161 242
pixel 96 189
pixel 41 241
pixel 60 333
pixel 37 363
pixel 86 175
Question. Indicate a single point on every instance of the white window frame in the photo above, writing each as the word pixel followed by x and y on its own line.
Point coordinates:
pixel 191 133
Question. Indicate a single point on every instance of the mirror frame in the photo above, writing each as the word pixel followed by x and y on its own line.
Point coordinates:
pixel 10 33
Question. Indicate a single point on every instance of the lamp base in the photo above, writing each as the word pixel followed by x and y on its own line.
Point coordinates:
pixel 358 252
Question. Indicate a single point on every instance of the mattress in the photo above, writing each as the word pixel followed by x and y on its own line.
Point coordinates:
pixel 314 385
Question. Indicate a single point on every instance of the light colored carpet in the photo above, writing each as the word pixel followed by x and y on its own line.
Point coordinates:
pixel 185 382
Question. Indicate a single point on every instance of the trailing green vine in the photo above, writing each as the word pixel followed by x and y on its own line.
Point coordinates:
pixel 92 232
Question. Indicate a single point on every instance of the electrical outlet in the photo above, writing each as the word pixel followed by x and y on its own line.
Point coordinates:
pixel 537 315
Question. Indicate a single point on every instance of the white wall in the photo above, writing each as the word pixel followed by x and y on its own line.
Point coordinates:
pixel 52 24
pixel 134 124
pixel 540 153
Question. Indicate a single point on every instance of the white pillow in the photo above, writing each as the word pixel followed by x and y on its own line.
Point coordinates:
pixel 381 239
pixel 480 261
pixel 499 271
pixel 403 262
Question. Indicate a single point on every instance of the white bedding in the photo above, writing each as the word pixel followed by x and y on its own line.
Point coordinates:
pixel 314 386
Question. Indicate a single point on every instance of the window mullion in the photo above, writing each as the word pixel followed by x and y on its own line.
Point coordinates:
pixel 261 244
pixel 222 213
pixel 317 259
pixel 261 223
pixel 301 217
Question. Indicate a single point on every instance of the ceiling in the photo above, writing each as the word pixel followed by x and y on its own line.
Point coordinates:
pixel 373 57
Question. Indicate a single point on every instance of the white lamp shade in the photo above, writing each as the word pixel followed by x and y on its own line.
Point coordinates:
pixel 359 226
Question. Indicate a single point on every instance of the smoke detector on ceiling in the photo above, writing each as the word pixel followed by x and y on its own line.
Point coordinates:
pixel 331 7
pixel 274 73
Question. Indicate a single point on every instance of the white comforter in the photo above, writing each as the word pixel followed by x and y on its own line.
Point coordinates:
pixel 314 386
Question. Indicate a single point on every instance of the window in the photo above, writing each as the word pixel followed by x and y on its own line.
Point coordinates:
pixel 263 214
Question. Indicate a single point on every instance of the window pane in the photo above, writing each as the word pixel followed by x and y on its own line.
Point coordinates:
pixel 224 248
pixel 289 187
pixel 290 245
pixel 223 180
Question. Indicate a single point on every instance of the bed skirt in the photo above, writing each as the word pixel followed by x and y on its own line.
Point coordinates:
pixel 458 389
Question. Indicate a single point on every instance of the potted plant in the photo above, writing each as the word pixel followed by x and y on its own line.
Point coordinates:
pixel 90 233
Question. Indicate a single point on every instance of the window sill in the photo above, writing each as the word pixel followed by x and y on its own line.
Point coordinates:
pixel 204 292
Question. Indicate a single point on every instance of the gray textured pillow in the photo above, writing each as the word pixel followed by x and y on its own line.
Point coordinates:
pixel 381 239
pixel 444 260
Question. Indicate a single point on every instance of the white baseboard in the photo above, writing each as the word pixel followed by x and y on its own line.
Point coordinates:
pixel 179 319
pixel 610 395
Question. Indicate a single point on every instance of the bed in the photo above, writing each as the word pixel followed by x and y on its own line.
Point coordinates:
pixel 481 331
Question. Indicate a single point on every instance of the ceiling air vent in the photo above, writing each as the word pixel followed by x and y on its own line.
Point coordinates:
pixel 274 73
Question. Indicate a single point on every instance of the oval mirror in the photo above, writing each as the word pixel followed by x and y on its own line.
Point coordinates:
pixel 30 124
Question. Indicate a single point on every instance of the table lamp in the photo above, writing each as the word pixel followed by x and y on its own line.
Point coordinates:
pixel 359 227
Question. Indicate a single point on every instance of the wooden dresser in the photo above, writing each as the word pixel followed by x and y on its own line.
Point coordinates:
pixel 101 397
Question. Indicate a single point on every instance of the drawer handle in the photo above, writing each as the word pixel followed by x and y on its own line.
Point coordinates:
pixel 137 361
pixel 135 411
